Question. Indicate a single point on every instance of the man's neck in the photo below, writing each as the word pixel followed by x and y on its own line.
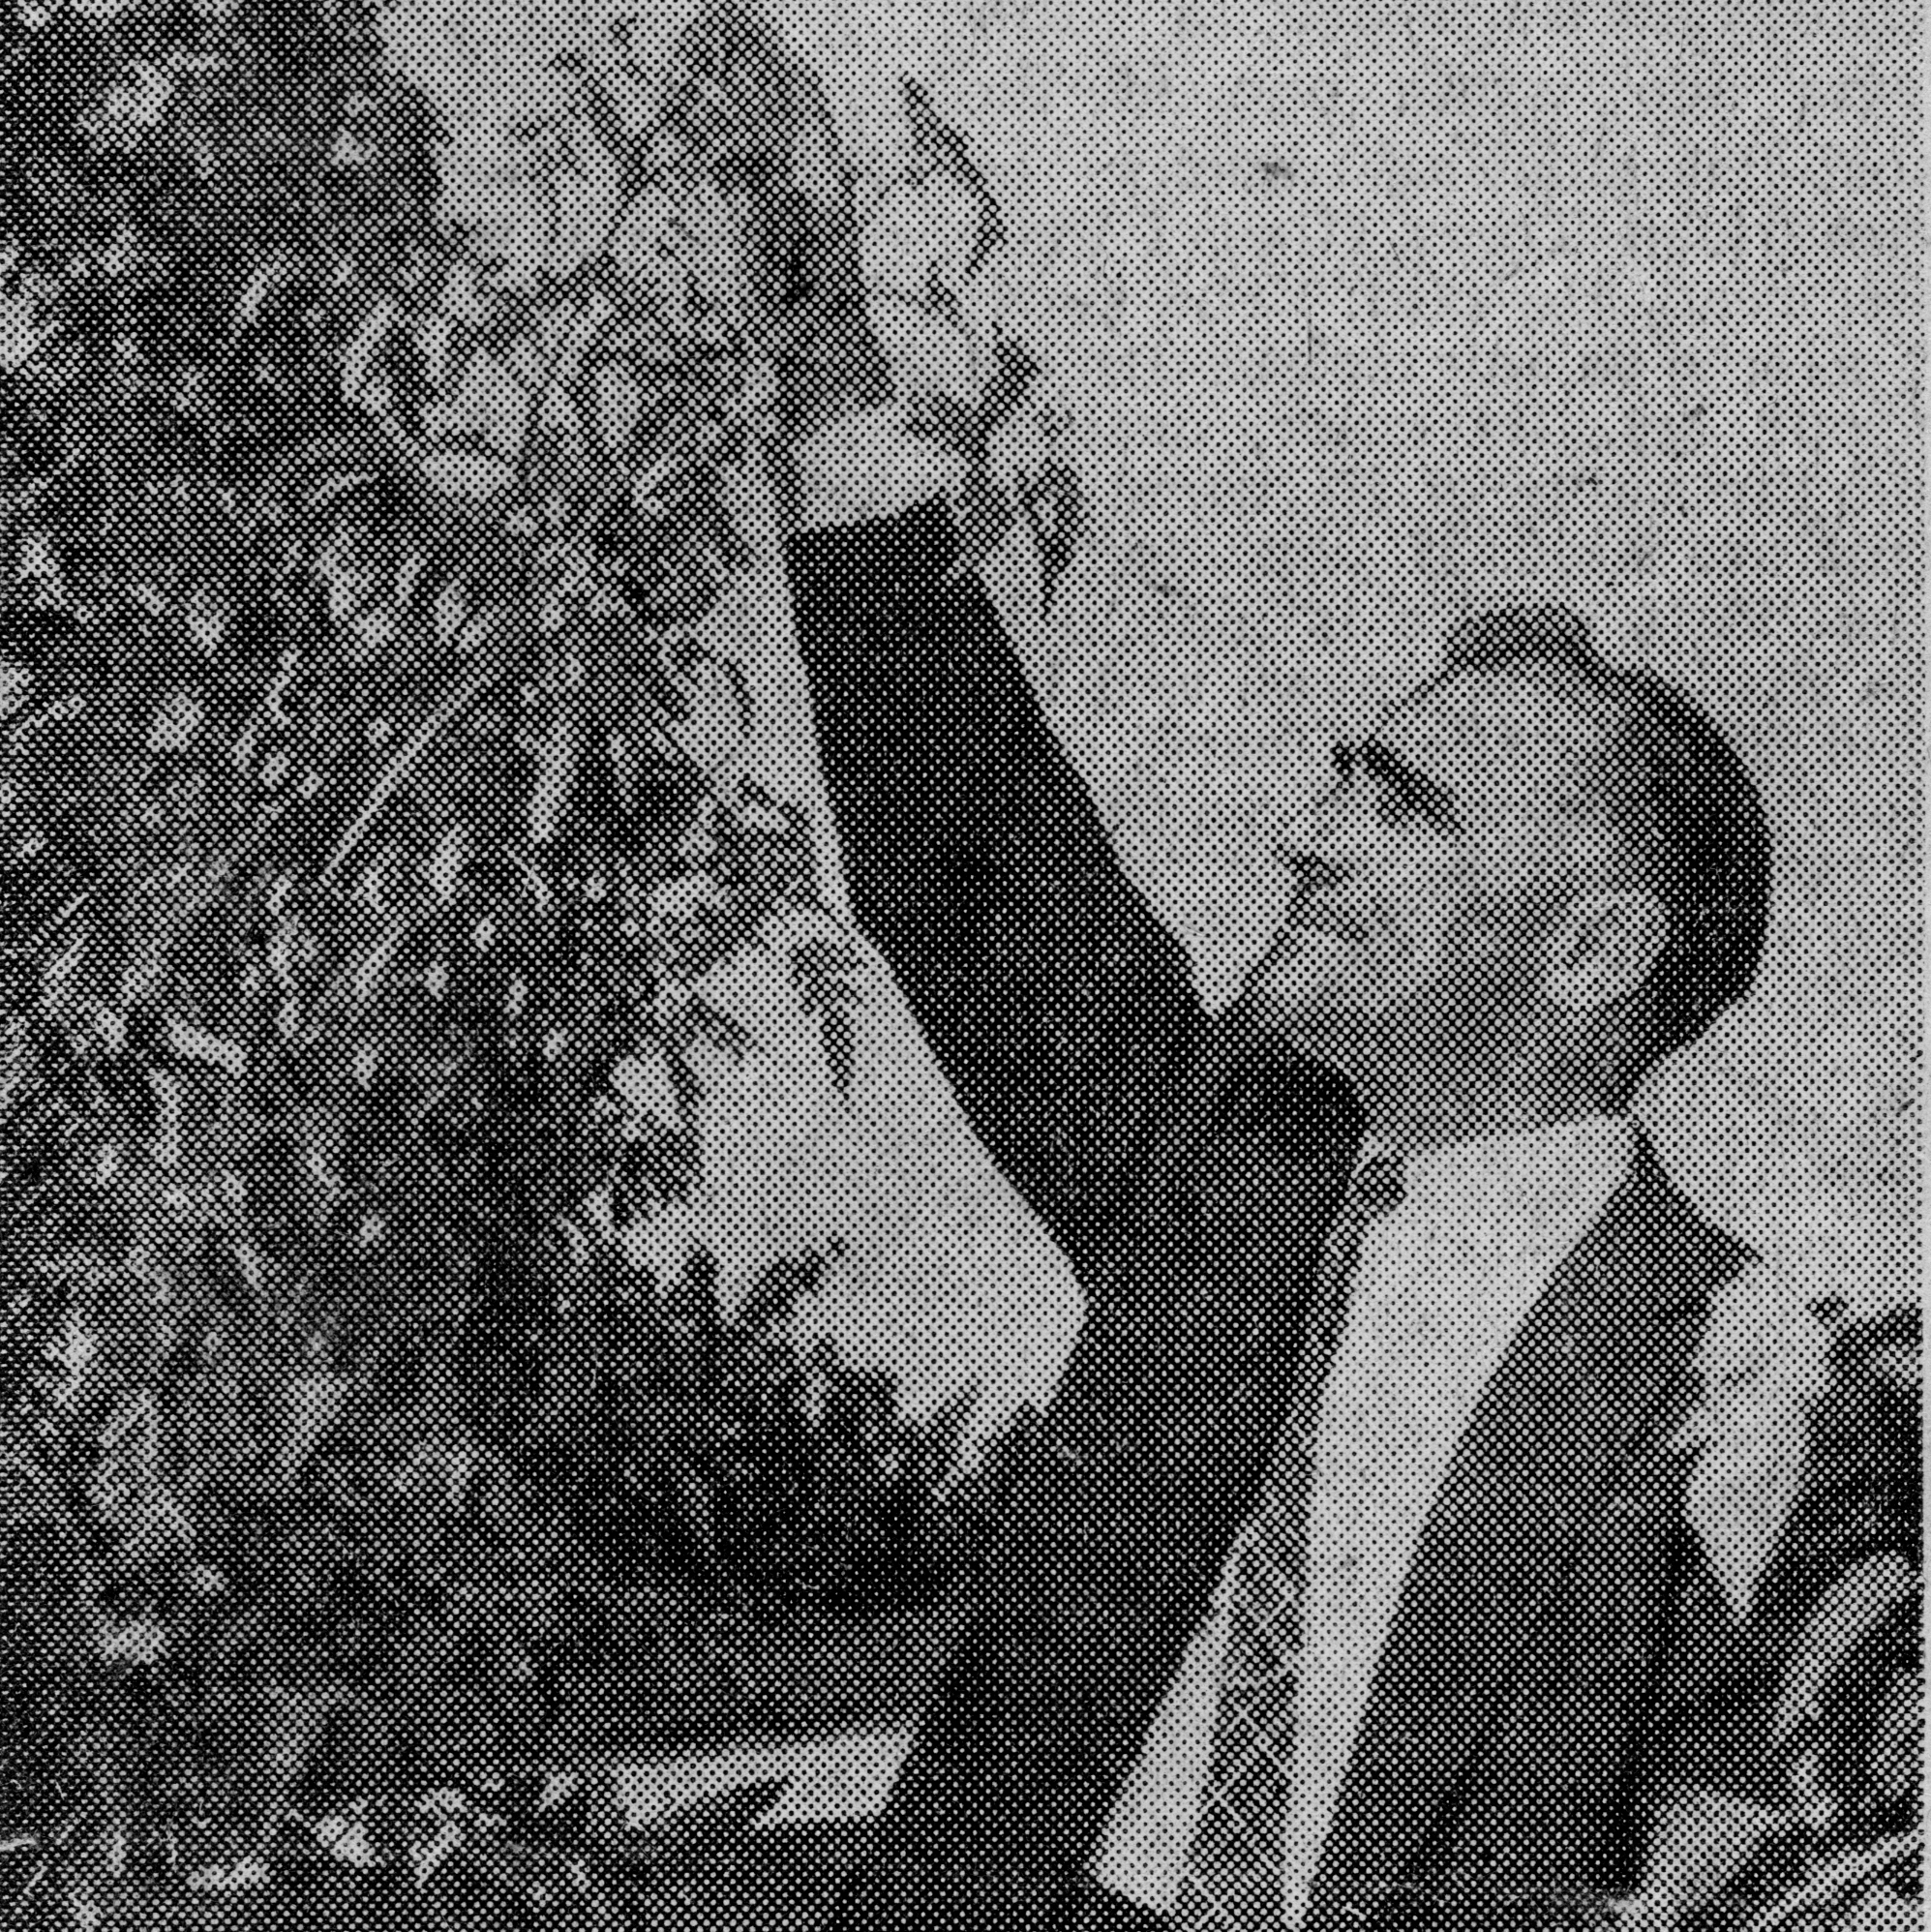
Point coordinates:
pixel 1406 1112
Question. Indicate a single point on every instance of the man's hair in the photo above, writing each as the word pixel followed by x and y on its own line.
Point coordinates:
pixel 1681 798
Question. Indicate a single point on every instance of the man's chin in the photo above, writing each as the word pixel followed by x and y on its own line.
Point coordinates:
pixel 1325 1032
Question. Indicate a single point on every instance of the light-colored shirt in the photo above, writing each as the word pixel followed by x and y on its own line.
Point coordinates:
pixel 1441 1287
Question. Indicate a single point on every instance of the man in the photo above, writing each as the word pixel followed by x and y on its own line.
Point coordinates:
pixel 1350 1582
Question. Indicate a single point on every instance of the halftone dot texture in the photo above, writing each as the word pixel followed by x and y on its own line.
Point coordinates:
pixel 407 683
pixel 1233 1874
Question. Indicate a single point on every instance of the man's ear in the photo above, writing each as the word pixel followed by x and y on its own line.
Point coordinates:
pixel 1604 949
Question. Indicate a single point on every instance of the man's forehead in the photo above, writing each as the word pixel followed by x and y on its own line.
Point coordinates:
pixel 1498 735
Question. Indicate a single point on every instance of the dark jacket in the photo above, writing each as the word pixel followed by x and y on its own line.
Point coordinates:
pixel 1190 1170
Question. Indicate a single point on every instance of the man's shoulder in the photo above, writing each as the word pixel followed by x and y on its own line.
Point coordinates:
pixel 1252 1128
pixel 1247 1147
pixel 1650 1219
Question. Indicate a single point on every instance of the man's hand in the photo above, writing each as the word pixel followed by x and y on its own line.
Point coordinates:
pixel 754 117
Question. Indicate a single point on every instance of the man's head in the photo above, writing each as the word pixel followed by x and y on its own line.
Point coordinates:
pixel 1535 860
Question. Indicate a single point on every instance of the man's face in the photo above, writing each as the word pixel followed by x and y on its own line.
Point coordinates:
pixel 1426 886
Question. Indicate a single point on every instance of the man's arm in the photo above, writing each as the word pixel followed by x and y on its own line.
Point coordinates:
pixel 1056 1003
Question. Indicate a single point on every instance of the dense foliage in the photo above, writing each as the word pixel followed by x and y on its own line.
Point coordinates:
pixel 690 1444
pixel 354 846
pixel 358 891
pixel 407 1605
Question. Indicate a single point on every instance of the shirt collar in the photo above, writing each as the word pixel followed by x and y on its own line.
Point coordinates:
pixel 1523 1191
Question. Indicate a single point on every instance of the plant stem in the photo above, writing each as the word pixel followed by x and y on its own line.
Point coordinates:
pixel 399 766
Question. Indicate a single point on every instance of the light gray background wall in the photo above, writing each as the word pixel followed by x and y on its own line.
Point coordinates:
pixel 1364 315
